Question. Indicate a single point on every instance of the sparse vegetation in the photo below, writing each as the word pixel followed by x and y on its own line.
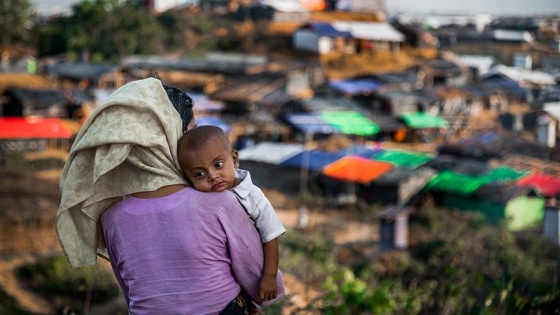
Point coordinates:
pixel 68 287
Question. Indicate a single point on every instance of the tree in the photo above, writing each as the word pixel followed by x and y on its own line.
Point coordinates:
pixel 15 22
pixel 104 29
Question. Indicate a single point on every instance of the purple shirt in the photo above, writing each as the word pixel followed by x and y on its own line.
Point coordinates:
pixel 186 253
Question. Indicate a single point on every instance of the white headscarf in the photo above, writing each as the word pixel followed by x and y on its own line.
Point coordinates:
pixel 127 145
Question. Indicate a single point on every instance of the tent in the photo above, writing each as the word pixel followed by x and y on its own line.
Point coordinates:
pixel 399 185
pixel 270 152
pixel 355 86
pixel 403 158
pixel 329 122
pixel 501 202
pixel 213 121
pixel 356 169
pixel 546 184
pixel 34 128
pixel 314 160
pixel 350 122
pixel 310 124
pixel 421 120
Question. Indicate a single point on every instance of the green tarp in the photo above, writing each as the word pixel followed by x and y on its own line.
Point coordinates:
pixel 350 122
pixel 454 182
pixel 403 158
pixel 424 120
pixel 503 173
pixel 464 184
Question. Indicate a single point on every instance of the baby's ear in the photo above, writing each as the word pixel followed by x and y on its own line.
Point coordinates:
pixel 235 157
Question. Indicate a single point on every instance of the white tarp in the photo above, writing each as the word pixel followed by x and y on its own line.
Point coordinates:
pixel 370 31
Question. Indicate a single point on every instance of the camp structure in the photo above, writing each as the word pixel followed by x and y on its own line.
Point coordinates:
pixel 20 134
pixel 502 203
pixel 399 185
pixel 393 228
pixel 264 160
pixel 495 193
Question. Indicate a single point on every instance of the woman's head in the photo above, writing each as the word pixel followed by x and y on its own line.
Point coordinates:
pixel 183 103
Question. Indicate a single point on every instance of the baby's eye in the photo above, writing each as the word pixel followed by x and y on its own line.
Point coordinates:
pixel 199 174
pixel 219 164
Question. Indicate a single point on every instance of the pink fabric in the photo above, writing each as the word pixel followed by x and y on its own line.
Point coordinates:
pixel 186 253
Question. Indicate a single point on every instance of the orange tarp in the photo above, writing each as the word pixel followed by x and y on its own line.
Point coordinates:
pixel 356 169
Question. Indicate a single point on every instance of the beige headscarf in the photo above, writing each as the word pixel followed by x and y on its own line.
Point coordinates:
pixel 127 145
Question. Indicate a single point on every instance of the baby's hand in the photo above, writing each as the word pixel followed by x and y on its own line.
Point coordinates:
pixel 267 287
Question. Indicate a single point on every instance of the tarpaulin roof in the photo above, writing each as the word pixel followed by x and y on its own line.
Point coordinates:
pixel 363 151
pixel 356 169
pixel 399 174
pixel 424 120
pixel 270 152
pixel 319 104
pixel 213 121
pixel 310 124
pixel 355 86
pixel 459 164
pixel 203 103
pixel 33 128
pixel 403 158
pixel 546 184
pixel 80 71
pixel 370 30
pixel 503 174
pixel 350 122
pixel 328 122
pixel 506 85
pixel 327 30
pixel 449 181
pixel 314 160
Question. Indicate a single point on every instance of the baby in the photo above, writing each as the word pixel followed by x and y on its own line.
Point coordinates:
pixel 210 164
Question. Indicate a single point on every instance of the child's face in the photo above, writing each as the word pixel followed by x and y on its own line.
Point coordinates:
pixel 212 168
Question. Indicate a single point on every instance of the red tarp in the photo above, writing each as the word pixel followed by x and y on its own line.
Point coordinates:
pixel 546 184
pixel 356 169
pixel 33 128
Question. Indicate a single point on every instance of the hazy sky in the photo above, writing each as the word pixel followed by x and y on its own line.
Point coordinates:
pixel 506 7
pixel 509 7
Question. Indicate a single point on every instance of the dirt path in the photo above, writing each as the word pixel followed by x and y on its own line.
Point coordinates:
pixel 28 300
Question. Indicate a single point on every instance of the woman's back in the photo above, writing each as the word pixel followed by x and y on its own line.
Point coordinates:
pixel 172 253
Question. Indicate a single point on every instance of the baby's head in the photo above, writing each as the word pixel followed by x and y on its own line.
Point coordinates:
pixel 207 158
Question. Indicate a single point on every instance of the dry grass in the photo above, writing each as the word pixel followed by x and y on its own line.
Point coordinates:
pixel 8 80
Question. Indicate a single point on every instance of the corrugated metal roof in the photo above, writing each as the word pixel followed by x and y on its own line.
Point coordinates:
pixel 79 71
pixel 370 30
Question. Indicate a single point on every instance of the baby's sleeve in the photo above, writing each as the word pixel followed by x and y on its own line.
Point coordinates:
pixel 263 215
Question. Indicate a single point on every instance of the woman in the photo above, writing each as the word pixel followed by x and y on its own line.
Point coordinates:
pixel 172 250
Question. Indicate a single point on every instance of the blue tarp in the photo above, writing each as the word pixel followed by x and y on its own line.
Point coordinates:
pixel 310 124
pixel 314 160
pixel 327 30
pixel 213 121
pixel 508 85
pixel 358 150
pixel 355 86
pixel 318 159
